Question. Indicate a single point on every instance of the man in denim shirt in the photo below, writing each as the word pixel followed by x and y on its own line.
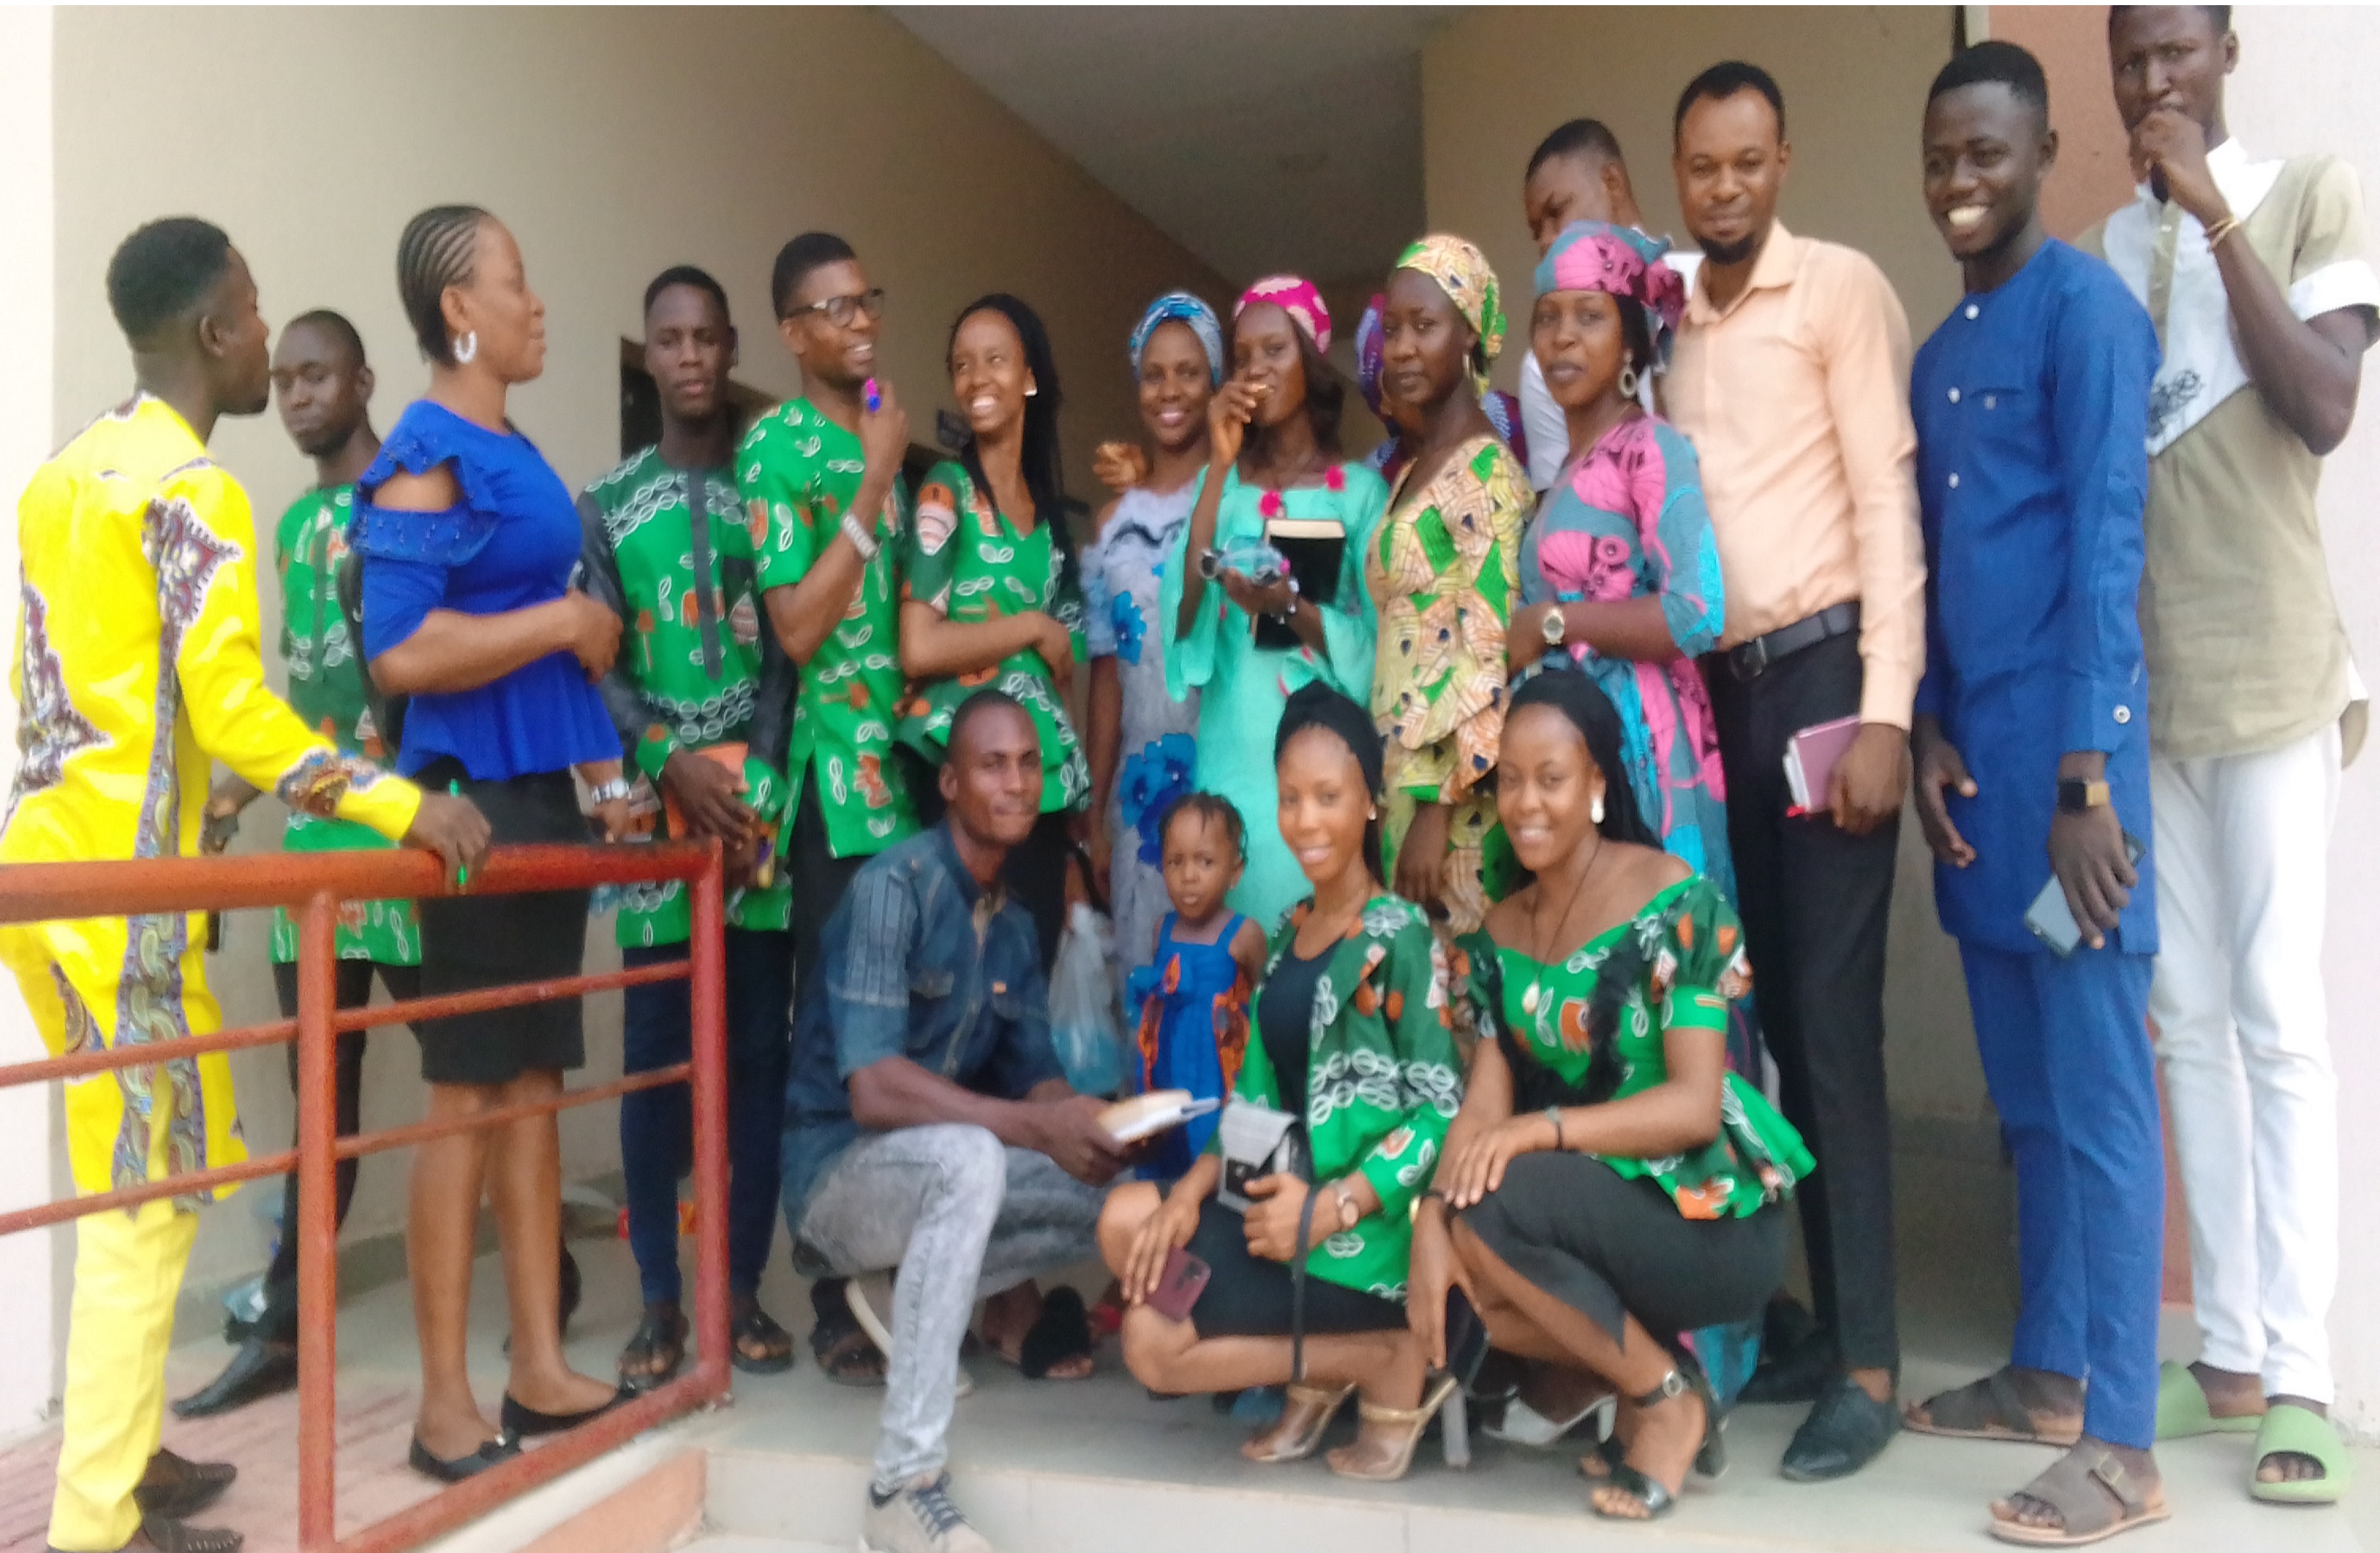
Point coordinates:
pixel 930 1128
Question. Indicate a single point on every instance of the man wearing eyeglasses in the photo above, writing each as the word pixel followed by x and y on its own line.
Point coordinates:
pixel 820 480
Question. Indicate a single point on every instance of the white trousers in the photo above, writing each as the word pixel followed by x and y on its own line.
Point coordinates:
pixel 2244 1043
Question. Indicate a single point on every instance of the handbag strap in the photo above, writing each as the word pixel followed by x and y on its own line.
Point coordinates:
pixel 1297 1290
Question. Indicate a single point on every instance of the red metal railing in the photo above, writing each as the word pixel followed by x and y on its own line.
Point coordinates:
pixel 312 886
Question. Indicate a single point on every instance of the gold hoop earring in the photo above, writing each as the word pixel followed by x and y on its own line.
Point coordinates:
pixel 1629 379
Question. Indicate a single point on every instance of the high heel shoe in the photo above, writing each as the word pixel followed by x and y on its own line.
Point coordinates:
pixel 1655 1497
pixel 1294 1439
pixel 1372 1460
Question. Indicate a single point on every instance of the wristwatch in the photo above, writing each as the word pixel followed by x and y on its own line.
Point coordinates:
pixel 1350 1212
pixel 2076 796
pixel 1553 627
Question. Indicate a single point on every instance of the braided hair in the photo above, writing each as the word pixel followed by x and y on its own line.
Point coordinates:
pixel 1045 476
pixel 439 248
pixel 1584 705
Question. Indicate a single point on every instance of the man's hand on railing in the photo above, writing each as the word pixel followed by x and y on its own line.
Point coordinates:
pixel 452 826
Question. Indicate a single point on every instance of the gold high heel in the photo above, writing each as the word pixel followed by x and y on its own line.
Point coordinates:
pixel 1372 1460
pixel 1306 1415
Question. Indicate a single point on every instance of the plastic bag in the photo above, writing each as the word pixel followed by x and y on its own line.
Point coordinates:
pixel 1082 1024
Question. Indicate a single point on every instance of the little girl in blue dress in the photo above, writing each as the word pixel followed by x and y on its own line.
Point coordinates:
pixel 1194 993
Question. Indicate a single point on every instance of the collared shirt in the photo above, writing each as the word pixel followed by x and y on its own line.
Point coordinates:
pixel 669 551
pixel 921 963
pixel 1548 431
pixel 1795 397
pixel 799 473
pixel 2031 401
pixel 2246 650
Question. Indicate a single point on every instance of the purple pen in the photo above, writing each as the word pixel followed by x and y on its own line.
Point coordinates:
pixel 875 395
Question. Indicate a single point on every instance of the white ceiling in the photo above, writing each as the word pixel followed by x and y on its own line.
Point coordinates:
pixel 1261 139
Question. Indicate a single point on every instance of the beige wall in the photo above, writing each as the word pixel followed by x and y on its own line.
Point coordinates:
pixel 613 142
pixel 2093 175
pixel 1497 79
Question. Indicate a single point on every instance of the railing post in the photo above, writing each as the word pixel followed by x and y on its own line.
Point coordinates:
pixel 707 973
pixel 317 1227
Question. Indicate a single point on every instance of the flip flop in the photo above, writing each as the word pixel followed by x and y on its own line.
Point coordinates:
pixel 2295 1431
pixel 1063 1331
pixel 2181 1409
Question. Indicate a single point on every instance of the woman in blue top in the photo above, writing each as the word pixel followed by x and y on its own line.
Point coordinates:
pixel 468 539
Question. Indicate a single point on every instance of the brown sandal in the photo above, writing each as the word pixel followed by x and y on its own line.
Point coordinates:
pixel 2095 1498
pixel 1991 1408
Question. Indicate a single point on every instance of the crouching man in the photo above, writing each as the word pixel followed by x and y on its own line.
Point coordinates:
pixel 929 1129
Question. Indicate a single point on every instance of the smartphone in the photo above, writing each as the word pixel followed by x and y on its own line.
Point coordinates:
pixel 1179 1286
pixel 2052 921
pixel 1467 1338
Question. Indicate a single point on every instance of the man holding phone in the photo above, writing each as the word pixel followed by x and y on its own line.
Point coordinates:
pixel 2031 746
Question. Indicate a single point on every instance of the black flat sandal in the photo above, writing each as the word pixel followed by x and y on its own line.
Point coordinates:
pixel 454 1469
pixel 521 1421
pixel 661 1335
pixel 181 1487
pixel 758 1328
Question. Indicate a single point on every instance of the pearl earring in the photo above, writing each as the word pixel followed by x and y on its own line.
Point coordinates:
pixel 1595 810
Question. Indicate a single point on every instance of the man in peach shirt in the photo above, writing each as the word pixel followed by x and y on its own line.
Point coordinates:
pixel 1791 378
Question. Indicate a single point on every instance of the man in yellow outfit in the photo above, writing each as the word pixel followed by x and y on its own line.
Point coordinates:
pixel 135 665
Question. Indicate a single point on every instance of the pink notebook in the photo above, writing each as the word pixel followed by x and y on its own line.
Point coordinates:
pixel 1810 758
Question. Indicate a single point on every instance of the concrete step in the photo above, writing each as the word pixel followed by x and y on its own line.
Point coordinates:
pixel 735 1542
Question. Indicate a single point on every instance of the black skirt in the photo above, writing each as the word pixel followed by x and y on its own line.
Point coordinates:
pixel 1249 1297
pixel 1609 1246
pixel 472 941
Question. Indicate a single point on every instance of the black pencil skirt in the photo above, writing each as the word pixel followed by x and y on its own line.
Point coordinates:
pixel 1249 1297
pixel 1609 1246
pixel 472 941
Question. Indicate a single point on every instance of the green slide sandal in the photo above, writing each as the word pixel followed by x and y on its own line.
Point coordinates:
pixel 2181 1409
pixel 2293 1429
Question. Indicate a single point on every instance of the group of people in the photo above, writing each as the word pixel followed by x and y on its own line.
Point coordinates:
pixel 1446 801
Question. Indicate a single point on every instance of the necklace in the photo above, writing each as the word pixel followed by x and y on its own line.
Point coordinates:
pixel 1530 998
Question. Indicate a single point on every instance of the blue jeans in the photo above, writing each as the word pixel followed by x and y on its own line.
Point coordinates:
pixel 2065 1047
pixel 657 1126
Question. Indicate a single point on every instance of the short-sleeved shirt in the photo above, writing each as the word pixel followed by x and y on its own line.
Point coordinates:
pixel 668 548
pixel 2246 650
pixel 511 542
pixel 1685 949
pixel 327 691
pixel 797 473
pixel 921 963
pixel 968 561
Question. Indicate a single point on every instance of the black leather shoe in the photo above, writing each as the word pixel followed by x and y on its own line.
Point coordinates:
pixel 177 1488
pixel 491 1454
pixel 1798 1374
pixel 523 1422
pixel 258 1370
pixel 1845 1431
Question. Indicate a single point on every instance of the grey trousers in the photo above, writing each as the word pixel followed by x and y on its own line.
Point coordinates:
pixel 962 1217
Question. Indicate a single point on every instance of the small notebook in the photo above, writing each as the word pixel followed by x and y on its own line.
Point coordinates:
pixel 1145 1116
pixel 1314 547
pixel 1810 758
pixel 1252 1136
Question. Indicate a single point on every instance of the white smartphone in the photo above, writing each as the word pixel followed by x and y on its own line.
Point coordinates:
pixel 2052 921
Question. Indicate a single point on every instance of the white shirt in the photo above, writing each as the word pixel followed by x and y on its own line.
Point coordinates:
pixel 1541 418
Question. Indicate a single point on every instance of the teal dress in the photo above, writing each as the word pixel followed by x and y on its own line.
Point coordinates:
pixel 1242 687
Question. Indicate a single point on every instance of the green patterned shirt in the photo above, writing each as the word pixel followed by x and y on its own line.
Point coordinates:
pixel 326 690
pixel 797 473
pixel 969 562
pixel 669 551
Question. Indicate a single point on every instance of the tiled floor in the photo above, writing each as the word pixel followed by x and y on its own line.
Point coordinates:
pixel 1057 1468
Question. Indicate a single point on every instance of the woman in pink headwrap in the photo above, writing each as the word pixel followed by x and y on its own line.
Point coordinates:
pixel 1242 644
pixel 1619 572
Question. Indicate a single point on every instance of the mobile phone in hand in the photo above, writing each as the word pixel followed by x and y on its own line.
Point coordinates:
pixel 1179 1286
pixel 2051 920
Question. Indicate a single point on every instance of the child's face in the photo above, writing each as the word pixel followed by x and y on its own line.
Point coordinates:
pixel 1201 865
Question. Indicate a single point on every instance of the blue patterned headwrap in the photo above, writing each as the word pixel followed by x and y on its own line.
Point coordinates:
pixel 1180 307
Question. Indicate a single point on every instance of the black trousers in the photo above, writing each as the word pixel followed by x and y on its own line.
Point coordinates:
pixel 279 1320
pixel 818 879
pixel 1816 902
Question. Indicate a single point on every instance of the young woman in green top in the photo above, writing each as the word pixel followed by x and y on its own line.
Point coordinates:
pixel 991 591
pixel 1608 1183
pixel 1356 1040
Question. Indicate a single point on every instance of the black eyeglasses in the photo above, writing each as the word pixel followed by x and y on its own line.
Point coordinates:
pixel 841 310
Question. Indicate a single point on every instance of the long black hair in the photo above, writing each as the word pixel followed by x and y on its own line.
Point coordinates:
pixel 1044 470
pixel 1584 705
pixel 1326 396
pixel 1317 705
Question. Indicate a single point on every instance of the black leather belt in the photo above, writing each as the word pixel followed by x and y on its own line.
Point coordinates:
pixel 1754 657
